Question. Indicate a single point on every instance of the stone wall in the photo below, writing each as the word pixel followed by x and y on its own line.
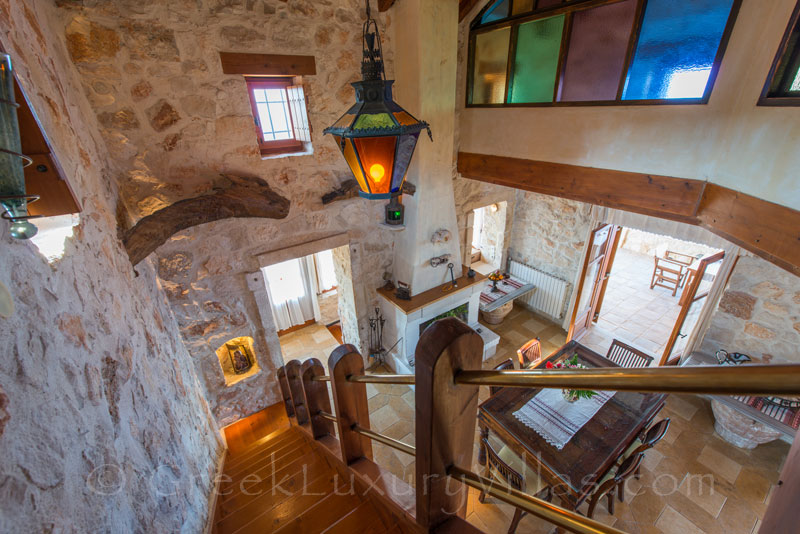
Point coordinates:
pixel 758 314
pixel 103 424
pixel 173 121
pixel 492 238
pixel 549 234
pixel 471 195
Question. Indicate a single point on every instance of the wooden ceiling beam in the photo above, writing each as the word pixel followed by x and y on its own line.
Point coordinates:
pixel 769 230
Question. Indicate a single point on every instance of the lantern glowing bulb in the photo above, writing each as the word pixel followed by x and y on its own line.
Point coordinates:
pixel 377 172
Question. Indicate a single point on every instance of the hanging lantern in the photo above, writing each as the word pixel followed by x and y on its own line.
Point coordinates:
pixel 376 136
pixel 13 200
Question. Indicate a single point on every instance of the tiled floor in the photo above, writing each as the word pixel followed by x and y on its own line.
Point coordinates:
pixel 314 341
pixel 631 311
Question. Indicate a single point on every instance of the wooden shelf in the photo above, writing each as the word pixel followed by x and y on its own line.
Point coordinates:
pixel 431 295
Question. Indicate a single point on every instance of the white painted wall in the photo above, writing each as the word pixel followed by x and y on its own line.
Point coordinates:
pixel 730 141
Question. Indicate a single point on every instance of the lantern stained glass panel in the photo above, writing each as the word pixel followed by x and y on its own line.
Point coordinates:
pixel 405 149
pixel 677 45
pixel 377 160
pixel 597 48
pixel 489 74
pixel 536 62
pixel 349 154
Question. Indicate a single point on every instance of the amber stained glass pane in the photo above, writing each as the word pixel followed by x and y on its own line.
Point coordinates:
pixel 536 61
pixel 377 160
pixel 349 154
pixel 522 6
pixel 596 56
pixel 405 119
pixel 489 73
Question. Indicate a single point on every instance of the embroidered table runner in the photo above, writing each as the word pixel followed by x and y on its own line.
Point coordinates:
pixel 787 416
pixel 507 289
pixel 557 420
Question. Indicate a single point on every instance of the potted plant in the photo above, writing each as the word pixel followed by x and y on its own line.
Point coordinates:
pixel 572 395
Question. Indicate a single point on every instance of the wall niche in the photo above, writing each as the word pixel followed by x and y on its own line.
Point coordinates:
pixel 237 359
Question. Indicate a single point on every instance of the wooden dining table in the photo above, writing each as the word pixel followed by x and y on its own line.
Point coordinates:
pixel 574 470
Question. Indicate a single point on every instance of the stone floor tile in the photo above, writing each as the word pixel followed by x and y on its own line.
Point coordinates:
pixel 672 522
pixel 719 463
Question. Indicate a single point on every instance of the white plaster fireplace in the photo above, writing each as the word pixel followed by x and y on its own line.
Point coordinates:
pixel 404 319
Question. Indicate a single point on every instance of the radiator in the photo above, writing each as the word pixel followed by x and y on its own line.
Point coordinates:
pixel 550 293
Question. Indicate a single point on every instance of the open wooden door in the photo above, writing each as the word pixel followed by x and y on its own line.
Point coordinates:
pixel 594 279
pixel 693 298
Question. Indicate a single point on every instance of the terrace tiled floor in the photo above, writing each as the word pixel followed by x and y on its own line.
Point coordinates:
pixel 631 311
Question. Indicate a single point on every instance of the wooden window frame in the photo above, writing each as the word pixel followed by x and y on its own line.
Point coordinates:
pixel 568 10
pixel 283 146
pixel 783 97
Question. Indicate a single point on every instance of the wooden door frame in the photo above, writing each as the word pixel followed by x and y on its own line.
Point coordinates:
pixel 580 287
pixel 611 254
pixel 676 328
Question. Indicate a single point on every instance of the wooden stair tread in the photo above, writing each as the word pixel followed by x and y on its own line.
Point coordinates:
pixel 364 519
pixel 260 463
pixel 280 514
pixel 272 491
pixel 275 443
pixel 323 513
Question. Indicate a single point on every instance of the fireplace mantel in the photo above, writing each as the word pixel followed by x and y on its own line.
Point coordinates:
pixel 432 295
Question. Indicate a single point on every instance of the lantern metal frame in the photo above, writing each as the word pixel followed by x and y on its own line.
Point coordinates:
pixel 374 97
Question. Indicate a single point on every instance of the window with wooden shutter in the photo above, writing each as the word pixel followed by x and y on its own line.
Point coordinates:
pixel 279 112
pixel 297 106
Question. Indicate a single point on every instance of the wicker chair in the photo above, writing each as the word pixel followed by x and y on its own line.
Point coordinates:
pixel 615 480
pixel 508 468
pixel 530 354
pixel 626 356
pixel 507 364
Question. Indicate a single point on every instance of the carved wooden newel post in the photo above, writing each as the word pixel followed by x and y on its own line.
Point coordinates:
pixel 283 385
pixel 296 391
pixel 316 397
pixel 445 418
pixel 350 399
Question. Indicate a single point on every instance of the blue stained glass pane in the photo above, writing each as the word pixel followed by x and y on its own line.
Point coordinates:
pixel 498 11
pixel 677 46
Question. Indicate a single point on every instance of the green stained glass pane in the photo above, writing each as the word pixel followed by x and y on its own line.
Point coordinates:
pixel 536 61
pixel 489 73
pixel 796 83
pixel 378 120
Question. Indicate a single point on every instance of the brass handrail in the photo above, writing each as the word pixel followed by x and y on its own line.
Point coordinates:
pixel 328 416
pixel 386 440
pixel 556 515
pixel 720 380
pixel 320 378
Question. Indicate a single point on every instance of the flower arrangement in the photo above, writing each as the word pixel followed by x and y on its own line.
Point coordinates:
pixel 571 395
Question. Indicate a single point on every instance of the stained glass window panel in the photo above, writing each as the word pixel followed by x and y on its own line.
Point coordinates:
pixel 597 48
pixel 522 6
pixel 498 11
pixel 548 3
pixel 536 61
pixel 677 45
pixel 489 74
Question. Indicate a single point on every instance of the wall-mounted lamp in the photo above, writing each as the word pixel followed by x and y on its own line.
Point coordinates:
pixel 13 198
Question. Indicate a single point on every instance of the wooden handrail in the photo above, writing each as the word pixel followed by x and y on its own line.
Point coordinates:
pixel 386 440
pixel 718 380
pixel 556 515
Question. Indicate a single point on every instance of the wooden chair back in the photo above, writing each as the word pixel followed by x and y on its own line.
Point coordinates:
pixel 496 464
pixel 530 354
pixel 502 366
pixel 653 435
pixel 626 356
pixel 678 257
pixel 624 472
pixel 667 273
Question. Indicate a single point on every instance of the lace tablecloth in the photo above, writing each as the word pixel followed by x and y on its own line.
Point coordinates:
pixel 557 420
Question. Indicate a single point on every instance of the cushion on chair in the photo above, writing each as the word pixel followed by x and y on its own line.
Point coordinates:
pixel 533 482
pixel 632 447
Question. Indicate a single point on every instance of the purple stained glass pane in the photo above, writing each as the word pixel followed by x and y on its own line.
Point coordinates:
pixel 597 48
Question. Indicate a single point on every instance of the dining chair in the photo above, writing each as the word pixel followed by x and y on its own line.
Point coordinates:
pixel 626 356
pixel 646 440
pixel 530 354
pixel 614 480
pixel 502 366
pixel 507 468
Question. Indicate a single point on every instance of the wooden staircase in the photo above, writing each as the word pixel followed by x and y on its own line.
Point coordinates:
pixel 286 483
